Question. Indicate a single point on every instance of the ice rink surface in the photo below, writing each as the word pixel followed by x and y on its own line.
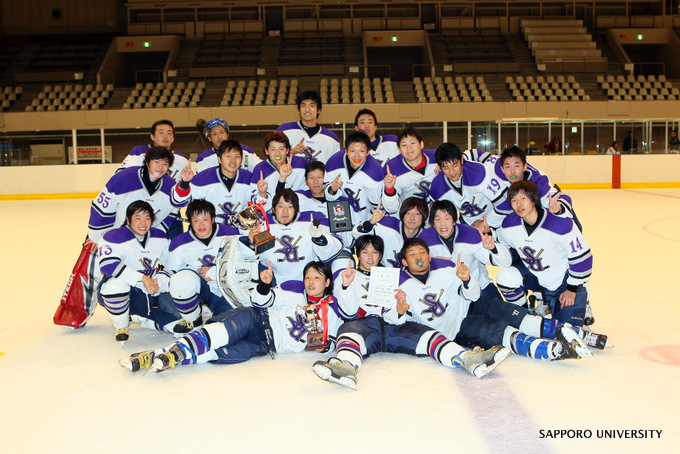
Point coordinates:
pixel 63 391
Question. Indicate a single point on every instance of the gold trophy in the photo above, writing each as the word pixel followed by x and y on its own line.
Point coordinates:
pixel 253 216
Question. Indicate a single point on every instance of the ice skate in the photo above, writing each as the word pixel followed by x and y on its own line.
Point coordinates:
pixel 570 344
pixel 595 340
pixel 138 361
pixel 167 360
pixel 122 336
pixel 337 371
pixel 537 306
pixel 588 318
pixel 479 362
pixel 183 326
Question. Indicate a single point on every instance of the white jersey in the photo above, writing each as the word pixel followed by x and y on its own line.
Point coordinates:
pixel 209 185
pixel 442 302
pixel 384 148
pixel 353 300
pixel 389 229
pixel 208 159
pixel 468 243
pixel 471 194
pixel 362 189
pixel 109 208
pixel 136 159
pixel 410 182
pixel 286 306
pixel 320 147
pixel 122 255
pixel 186 251
pixel 554 248
pixel 294 247
pixel 295 181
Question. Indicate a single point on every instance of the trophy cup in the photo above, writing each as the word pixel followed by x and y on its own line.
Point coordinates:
pixel 250 217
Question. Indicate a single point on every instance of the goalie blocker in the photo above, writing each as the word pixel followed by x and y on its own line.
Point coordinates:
pixel 237 276
pixel 80 296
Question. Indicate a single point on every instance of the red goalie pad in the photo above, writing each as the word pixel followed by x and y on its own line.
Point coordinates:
pixel 80 296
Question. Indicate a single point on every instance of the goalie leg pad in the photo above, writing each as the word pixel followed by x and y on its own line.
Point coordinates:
pixel 511 284
pixel 236 275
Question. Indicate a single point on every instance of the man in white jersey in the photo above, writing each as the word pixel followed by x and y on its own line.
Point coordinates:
pixel 190 268
pixel 150 183
pixel 299 238
pixel 440 294
pixel 217 131
pixel 281 170
pixel 356 176
pixel 162 135
pixel 130 258
pixel 552 256
pixel 227 187
pixel 309 139
pixel 383 148
pixel 410 174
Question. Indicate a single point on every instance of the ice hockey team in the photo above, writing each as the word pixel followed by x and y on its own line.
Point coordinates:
pixel 265 267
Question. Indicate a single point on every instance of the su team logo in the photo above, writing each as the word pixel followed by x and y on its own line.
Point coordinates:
pixel 228 209
pixel 434 308
pixel 354 200
pixel 533 260
pixel 289 249
pixel 422 190
pixel 471 209
pixel 207 260
pixel 297 328
pixel 148 266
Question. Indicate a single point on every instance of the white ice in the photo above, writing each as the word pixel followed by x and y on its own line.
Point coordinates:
pixel 63 391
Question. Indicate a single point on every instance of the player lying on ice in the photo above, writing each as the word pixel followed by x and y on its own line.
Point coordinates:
pixel 291 317
pixel 379 329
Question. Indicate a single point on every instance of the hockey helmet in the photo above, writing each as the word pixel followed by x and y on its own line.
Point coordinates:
pixel 213 123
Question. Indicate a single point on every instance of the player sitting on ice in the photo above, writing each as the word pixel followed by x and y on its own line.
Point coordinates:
pixel 191 269
pixel 130 258
pixel 226 186
pixel 382 329
pixel 439 294
pixel 552 256
pixel 217 131
pixel 286 319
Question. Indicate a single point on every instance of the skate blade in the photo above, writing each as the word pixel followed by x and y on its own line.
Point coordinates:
pixel 326 374
pixel 484 369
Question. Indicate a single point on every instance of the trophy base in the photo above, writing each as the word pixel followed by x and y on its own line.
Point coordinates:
pixel 263 242
pixel 315 341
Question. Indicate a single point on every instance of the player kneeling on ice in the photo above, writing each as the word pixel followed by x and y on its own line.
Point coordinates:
pixel 439 293
pixel 552 257
pixel 130 257
pixel 191 269
pixel 292 317
pixel 381 329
